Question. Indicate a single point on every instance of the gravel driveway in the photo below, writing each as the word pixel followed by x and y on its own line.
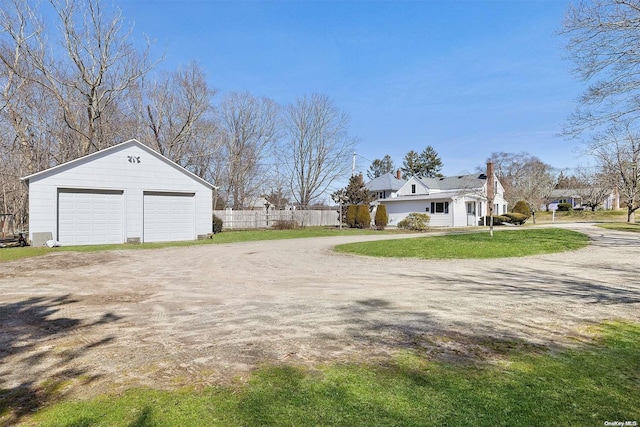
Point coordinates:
pixel 200 315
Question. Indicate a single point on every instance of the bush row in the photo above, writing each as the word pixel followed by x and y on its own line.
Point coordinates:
pixel 358 216
pixel 508 218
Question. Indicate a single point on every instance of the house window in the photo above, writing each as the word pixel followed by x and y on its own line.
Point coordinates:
pixel 413 189
pixel 440 207
pixel 426 209
pixel 381 195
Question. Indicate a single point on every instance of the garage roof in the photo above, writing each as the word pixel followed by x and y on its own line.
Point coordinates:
pixel 89 157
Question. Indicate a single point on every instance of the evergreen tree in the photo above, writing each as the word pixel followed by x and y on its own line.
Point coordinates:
pixel 425 164
pixel 381 218
pixel 355 193
pixel 411 165
pixel 380 166
pixel 350 215
pixel 430 162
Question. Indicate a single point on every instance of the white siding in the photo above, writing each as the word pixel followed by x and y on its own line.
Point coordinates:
pixel 458 210
pixel 128 167
pixel 398 211
pixel 420 188
pixel 441 219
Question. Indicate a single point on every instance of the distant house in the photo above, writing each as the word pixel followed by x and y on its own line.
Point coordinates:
pixel 455 201
pixel 581 197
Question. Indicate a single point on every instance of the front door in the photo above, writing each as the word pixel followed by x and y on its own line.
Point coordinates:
pixel 471 213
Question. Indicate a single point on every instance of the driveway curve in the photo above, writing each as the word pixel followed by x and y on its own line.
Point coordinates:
pixel 209 314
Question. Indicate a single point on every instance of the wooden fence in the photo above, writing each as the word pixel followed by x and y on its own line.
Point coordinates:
pixel 235 219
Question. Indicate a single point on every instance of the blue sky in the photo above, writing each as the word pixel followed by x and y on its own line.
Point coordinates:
pixel 466 77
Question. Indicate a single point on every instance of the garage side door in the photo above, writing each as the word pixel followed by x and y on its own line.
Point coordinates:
pixel 169 217
pixel 90 217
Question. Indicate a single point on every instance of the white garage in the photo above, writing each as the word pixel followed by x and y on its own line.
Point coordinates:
pixel 126 193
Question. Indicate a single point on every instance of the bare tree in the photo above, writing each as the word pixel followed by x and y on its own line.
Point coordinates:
pixel 248 131
pixel 602 38
pixel 619 155
pixel 524 177
pixel 93 69
pixel 175 110
pixel 317 146
pixel 25 107
pixel 62 86
pixel 592 187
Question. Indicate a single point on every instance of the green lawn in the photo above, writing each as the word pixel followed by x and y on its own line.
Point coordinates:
pixel 622 226
pixel 504 243
pixel 10 254
pixel 526 386
pixel 584 215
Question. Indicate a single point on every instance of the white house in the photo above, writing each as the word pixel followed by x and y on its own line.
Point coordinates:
pixel 455 201
pixel 125 193
pixel 580 197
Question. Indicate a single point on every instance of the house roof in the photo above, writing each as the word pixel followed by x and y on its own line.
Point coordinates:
pixel 442 195
pixel 115 148
pixel 565 192
pixel 388 181
pixel 459 182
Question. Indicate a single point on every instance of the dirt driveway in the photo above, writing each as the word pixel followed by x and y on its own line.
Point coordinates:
pixel 96 322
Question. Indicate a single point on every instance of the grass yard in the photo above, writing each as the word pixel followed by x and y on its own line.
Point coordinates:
pixel 622 226
pixel 580 215
pixel 503 244
pixel 10 254
pixel 524 385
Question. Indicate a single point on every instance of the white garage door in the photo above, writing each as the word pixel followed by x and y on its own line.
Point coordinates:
pixel 169 217
pixel 90 217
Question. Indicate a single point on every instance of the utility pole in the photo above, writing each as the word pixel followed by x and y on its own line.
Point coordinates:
pixel 353 164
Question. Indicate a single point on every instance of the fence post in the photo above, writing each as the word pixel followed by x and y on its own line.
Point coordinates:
pixel 228 217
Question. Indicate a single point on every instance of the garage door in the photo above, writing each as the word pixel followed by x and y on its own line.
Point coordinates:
pixel 169 217
pixel 90 217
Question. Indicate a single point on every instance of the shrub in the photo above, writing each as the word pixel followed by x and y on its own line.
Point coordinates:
pixel 516 218
pixel 285 224
pixel 522 207
pixel 565 207
pixel 497 220
pixel 363 216
pixel 415 222
pixel 382 219
pixel 217 225
pixel 350 217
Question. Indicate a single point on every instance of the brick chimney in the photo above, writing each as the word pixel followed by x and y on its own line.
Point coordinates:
pixel 491 191
pixel 398 176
